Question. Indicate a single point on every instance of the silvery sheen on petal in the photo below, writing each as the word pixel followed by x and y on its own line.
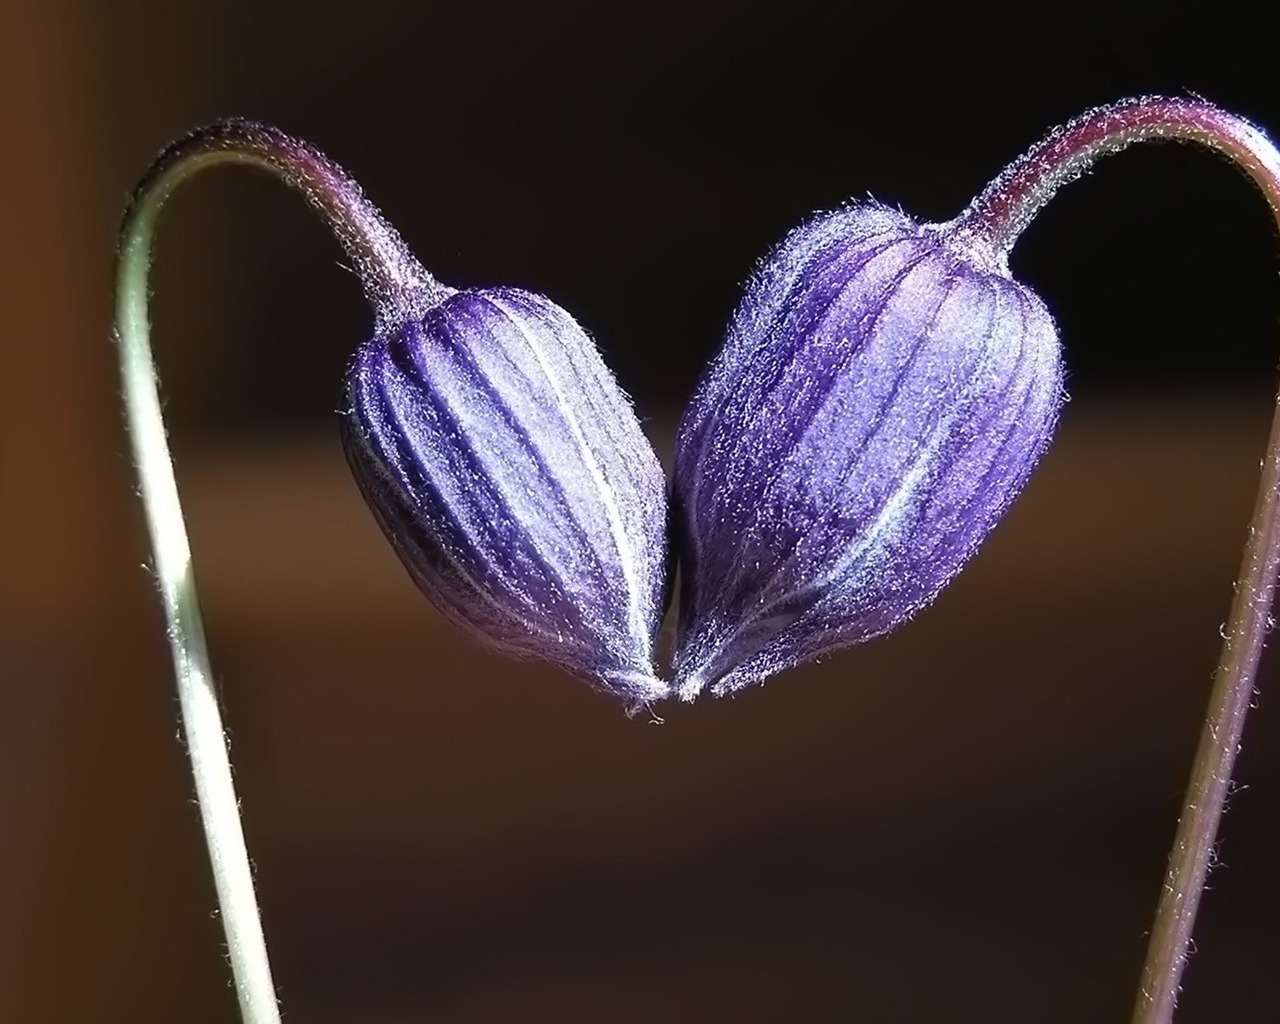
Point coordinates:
pixel 512 477
pixel 884 391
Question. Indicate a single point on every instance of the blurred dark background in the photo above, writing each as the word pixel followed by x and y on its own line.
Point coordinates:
pixel 964 822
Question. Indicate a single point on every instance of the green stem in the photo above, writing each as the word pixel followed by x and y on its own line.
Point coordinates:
pixel 396 286
pixel 994 221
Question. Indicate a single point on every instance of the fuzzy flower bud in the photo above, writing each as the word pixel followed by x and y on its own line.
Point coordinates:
pixel 883 394
pixel 512 477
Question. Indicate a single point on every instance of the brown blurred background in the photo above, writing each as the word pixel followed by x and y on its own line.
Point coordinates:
pixel 965 822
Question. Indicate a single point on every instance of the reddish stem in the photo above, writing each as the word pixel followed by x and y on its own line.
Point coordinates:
pixel 991 225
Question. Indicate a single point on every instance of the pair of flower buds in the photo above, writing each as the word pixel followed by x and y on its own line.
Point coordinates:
pixel 884 391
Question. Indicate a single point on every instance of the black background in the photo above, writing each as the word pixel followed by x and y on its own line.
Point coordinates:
pixel 963 822
pixel 633 161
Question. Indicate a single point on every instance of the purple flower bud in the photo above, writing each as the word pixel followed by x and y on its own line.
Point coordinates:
pixel 513 479
pixel 884 392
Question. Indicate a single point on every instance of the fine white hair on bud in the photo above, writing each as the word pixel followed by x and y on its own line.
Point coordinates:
pixel 511 475
pixel 882 396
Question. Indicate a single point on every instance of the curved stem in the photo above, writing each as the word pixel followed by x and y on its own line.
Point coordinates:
pixel 1004 209
pixel 395 283
pixel 396 286
pixel 995 220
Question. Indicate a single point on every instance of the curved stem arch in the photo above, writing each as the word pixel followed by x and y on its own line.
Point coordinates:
pixel 994 222
pixel 396 285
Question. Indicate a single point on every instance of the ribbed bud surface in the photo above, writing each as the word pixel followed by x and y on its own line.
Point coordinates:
pixel 514 481
pixel 881 398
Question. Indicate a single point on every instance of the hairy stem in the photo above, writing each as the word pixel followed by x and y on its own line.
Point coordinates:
pixel 995 220
pixel 396 285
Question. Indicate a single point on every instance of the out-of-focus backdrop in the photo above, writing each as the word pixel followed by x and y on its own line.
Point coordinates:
pixel 964 822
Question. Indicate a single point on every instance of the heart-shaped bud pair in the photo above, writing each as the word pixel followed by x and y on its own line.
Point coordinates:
pixel 883 394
